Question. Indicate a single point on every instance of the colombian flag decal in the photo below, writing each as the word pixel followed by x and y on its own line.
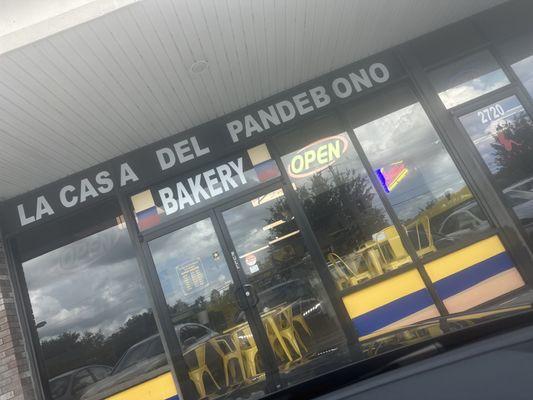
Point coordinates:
pixel 145 210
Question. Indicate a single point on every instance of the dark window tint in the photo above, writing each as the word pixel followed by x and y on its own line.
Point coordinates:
pixel 468 78
pixel 416 172
pixel 89 303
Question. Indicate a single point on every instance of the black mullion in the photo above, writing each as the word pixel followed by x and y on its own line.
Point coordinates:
pixel 472 171
pixel 272 375
pixel 484 100
pixel 156 295
pixel 29 330
pixel 406 242
pixel 320 263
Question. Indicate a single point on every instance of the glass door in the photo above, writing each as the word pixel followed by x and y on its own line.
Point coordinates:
pixel 217 332
pixel 502 132
pixel 282 282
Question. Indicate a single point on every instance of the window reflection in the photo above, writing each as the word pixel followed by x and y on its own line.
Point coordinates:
pixel 467 79
pixel 293 304
pixel 90 308
pixel 423 184
pixel 347 217
pixel 518 53
pixel 503 135
pixel 524 71
pixel 217 344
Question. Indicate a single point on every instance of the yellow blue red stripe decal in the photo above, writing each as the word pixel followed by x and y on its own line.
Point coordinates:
pixel 383 305
pixel 474 275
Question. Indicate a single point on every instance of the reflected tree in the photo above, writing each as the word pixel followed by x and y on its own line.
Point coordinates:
pixel 71 350
pixel 513 149
pixel 340 206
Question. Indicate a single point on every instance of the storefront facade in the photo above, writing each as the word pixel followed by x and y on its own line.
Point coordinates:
pixel 284 240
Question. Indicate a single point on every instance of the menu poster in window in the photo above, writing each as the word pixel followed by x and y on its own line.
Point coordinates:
pixel 192 276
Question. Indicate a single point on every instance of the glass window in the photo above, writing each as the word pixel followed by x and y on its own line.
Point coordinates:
pixel 355 233
pixel 467 79
pixel 200 294
pixel 524 71
pixel 417 173
pixel 503 134
pixel 87 296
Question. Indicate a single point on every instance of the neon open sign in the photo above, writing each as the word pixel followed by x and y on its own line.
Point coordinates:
pixel 317 156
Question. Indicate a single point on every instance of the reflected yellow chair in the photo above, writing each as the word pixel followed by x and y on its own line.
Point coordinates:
pixel 228 349
pixel 274 336
pixel 195 359
pixel 345 276
pixel 287 330
pixel 300 319
pixel 423 231
pixel 282 334
pixel 395 243
pixel 248 349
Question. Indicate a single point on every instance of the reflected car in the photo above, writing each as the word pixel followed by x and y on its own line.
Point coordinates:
pixel 469 218
pixel 148 355
pixel 72 384
pixel 463 221
pixel 293 291
pixel 522 203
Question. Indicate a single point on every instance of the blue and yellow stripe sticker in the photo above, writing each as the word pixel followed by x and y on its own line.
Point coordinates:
pixel 398 301
pixel 160 388
pixel 474 275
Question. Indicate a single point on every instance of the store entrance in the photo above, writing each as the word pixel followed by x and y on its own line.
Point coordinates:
pixel 282 281
pixel 501 130
pixel 249 309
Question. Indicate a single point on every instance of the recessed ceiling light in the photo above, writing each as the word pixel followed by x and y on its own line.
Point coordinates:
pixel 198 66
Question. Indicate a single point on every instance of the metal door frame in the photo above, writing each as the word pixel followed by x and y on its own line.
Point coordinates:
pixel 169 337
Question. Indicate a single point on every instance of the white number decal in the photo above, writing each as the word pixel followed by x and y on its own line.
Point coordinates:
pixel 491 113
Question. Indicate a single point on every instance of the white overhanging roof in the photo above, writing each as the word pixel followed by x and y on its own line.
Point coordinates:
pixel 84 81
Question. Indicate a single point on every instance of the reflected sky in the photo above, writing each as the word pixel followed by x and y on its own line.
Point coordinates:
pixel 474 88
pixel 407 135
pixel 524 70
pixel 191 244
pixel 93 284
pixel 468 78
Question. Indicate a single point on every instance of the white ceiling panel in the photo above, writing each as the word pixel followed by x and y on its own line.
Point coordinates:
pixel 117 82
